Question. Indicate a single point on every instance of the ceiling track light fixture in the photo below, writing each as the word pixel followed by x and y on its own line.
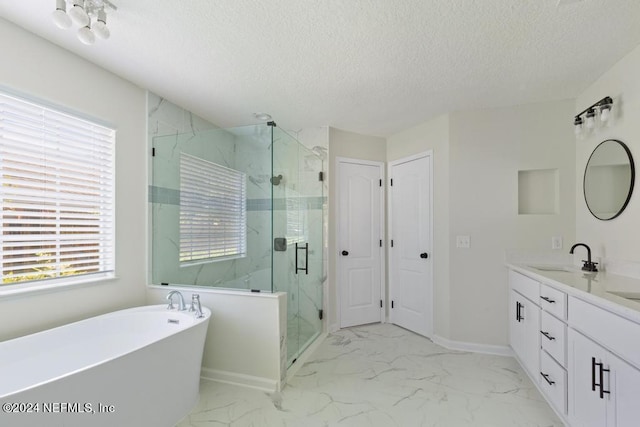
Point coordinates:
pixel 89 15
pixel 588 117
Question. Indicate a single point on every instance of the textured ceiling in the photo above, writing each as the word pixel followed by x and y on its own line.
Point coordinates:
pixel 369 66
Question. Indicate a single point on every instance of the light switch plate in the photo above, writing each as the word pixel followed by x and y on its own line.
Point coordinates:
pixel 556 242
pixel 463 242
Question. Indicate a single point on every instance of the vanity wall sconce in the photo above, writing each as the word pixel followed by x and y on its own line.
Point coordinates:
pixel 587 118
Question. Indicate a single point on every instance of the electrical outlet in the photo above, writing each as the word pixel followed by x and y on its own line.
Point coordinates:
pixel 556 242
pixel 463 242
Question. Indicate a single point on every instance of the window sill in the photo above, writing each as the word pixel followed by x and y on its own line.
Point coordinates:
pixel 8 291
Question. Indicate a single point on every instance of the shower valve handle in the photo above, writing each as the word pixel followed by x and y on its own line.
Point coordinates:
pixel 345 253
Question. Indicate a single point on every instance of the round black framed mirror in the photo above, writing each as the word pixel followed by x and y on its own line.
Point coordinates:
pixel 608 179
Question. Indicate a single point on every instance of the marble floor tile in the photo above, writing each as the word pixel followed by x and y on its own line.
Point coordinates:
pixel 383 375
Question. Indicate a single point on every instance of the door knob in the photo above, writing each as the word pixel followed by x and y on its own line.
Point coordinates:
pixel 424 255
pixel 345 253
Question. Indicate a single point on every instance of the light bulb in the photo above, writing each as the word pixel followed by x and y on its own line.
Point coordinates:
pixel 577 122
pixel 591 121
pixel 78 15
pixel 86 36
pixel 605 112
pixel 100 26
pixel 578 129
pixel 59 16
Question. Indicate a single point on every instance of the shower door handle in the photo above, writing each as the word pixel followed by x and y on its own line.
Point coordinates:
pixel 305 248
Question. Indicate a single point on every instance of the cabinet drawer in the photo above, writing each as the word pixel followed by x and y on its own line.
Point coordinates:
pixel 525 285
pixel 617 334
pixel 553 382
pixel 553 337
pixel 553 301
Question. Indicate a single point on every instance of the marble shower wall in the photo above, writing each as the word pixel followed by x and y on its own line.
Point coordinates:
pixel 216 146
pixel 247 149
pixel 253 156
pixel 173 130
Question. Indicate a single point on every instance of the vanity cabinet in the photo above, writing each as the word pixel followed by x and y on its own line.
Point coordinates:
pixel 553 343
pixel 583 356
pixel 524 321
pixel 603 387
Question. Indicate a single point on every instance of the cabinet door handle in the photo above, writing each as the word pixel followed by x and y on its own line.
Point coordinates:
pixel 593 374
pixel 602 390
pixel 549 300
pixel 547 335
pixel 518 312
pixel 424 255
pixel 546 378
pixel 344 253
pixel 601 371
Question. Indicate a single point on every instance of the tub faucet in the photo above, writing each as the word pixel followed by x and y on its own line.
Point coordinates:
pixel 181 305
pixel 588 264
pixel 196 308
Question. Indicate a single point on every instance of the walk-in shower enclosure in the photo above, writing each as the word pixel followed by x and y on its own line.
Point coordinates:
pixel 241 209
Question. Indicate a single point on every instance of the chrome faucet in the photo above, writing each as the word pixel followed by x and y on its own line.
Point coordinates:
pixel 196 308
pixel 588 264
pixel 181 305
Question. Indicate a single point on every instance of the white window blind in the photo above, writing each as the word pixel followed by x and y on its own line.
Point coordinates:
pixel 213 211
pixel 296 219
pixel 57 194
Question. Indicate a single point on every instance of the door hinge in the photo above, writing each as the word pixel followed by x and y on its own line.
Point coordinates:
pixel 320 176
pixel 380 242
pixel 380 303
pixel 392 182
pixel 391 303
pixel 153 152
pixel 380 183
pixel 320 314
pixel 391 242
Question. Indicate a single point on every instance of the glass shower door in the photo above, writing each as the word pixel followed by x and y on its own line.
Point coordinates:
pixel 310 217
pixel 297 220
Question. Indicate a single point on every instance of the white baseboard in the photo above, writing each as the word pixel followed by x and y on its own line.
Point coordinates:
pixel 499 350
pixel 234 378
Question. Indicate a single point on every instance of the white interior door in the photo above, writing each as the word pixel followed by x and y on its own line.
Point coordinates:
pixel 359 259
pixel 410 256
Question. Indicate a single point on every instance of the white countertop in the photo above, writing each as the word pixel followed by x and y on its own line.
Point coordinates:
pixel 598 288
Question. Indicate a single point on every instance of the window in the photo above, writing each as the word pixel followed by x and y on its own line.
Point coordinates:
pixel 296 219
pixel 213 211
pixel 56 194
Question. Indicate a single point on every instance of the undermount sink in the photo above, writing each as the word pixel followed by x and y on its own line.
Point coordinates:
pixel 627 294
pixel 557 268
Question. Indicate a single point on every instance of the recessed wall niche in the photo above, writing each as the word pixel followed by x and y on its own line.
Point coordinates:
pixel 538 192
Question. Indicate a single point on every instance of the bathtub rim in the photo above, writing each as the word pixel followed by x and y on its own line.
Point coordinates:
pixel 197 323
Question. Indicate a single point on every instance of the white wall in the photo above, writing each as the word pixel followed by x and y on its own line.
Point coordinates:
pixel 488 148
pixel 433 135
pixel 477 156
pixel 616 240
pixel 33 66
pixel 356 146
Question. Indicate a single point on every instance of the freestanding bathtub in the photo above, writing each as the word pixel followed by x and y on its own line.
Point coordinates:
pixel 136 367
